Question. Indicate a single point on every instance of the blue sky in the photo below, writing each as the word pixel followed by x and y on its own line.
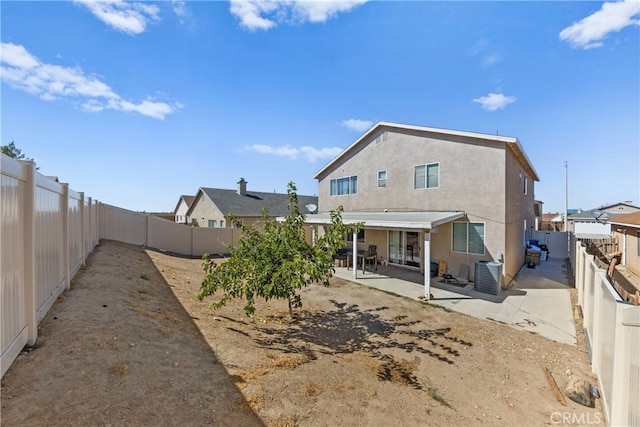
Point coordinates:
pixel 137 103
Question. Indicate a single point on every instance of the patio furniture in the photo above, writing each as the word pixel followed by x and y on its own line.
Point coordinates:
pixel 371 257
pixel 341 257
pixel 367 257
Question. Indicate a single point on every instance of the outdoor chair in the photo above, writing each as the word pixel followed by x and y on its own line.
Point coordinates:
pixel 371 256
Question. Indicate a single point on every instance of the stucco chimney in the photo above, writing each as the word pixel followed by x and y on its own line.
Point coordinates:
pixel 242 187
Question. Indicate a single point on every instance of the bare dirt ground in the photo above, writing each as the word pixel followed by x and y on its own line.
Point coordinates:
pixel 129 344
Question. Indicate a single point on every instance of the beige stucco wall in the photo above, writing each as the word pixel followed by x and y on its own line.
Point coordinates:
pixel 181 213
pixel 203 210
pixel 479 177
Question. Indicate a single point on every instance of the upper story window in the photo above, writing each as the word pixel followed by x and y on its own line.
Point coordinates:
pixel 426 176
pixel 222 223
pixel 468 237
pixel 382 178
pixel 342 186
pixel 526 185
pixel 212 223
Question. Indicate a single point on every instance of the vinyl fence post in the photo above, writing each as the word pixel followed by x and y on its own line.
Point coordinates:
pixel 30 252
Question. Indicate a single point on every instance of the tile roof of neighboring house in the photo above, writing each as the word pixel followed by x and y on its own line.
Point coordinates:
pixel 250 205
pixel 632 218
pixel 510 142
pixel 549 216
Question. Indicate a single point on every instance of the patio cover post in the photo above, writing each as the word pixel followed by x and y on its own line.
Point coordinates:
pixel 354 259
pixel 427 263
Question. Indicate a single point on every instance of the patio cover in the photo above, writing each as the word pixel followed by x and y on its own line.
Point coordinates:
pixel 390 220
pixel 424 221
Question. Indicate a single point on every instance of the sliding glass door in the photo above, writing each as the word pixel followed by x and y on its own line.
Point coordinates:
pixel 404 248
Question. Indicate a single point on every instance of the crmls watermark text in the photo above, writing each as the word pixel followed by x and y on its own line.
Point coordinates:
pixel 581 418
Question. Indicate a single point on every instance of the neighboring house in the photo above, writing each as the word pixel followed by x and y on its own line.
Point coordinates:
pixel 212 205
pixel 552 222
pixel 555 221
pixel 427 194
pixel 180 212
pixel 595 223
pixel 626 231
pixel 537 210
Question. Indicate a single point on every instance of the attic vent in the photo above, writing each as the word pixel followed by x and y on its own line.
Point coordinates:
pixel 385 136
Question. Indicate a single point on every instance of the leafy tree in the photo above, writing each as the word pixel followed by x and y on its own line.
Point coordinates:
pixel 275 262
pixel 12 151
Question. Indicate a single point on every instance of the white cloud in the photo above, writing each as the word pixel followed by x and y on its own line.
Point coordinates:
pixel 357 125
pixel 613 16
pixel 23 71
pixel 490 59
pixel 179 7
pixel 494 101
pixel 311 154
pixel 266 14
pixel 128 17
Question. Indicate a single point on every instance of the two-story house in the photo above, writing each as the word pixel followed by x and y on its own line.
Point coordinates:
pixel 211 206
pixel 427 194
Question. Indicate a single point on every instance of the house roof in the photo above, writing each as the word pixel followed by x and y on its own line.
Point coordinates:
pixel 250 204
pixel 510 142
pixel 404 220
pixel 632 219
pixel 549 216
pixel 590 216
pixel 188 200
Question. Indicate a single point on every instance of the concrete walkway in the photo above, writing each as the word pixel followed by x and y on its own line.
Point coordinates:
pixel 538 299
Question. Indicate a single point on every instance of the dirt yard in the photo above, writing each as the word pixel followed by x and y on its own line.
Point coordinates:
pixel 129 344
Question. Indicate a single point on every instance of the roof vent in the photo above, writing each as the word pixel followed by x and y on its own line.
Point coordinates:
pixel 242 187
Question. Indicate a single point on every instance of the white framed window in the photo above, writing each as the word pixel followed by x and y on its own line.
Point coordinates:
pixel 382 178
pixel 526 185
pixel 468 237
pixel 426 176
pixel 222 223
pixel 212 223
pixel 346 185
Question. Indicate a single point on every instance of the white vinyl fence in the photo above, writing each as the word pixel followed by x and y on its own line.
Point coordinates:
pixel 46 233
pixel 158 233
pixel 557 242
pixel 612 329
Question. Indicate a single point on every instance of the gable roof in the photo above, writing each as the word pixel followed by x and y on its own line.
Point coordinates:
pixel 632 218
pixel 188 200
pixel 250 204
pixel 510 142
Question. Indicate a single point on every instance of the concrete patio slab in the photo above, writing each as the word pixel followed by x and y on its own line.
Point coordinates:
pixel 537 300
